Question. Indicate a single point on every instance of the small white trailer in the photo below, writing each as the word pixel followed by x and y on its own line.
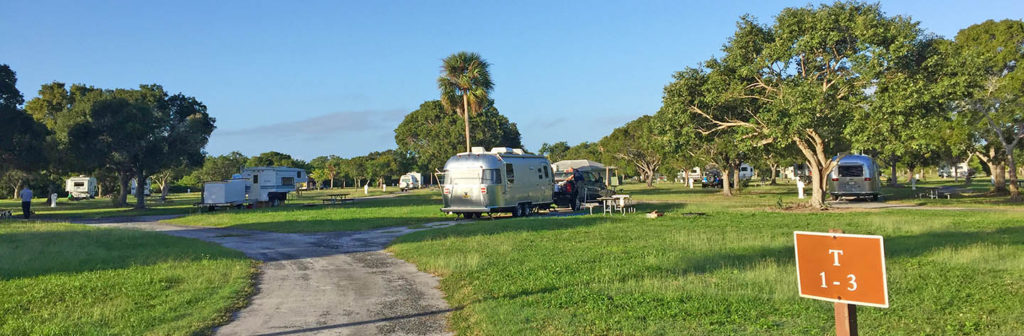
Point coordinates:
pixel 272 184
pixel 409 181
pixel 81 187
pixel 134 184
pixel 230 192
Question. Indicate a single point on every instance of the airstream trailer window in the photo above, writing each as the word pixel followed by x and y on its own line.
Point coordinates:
pixel 472 176
pixel 851 171
pixel 510 173
pixel 298 174
pixel 79 184
pixel 256 178
pixel 546 172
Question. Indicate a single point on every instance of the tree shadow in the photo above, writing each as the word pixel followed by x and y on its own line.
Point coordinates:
pixel 897 247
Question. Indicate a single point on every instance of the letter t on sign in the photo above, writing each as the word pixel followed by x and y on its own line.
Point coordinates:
pixel 835 254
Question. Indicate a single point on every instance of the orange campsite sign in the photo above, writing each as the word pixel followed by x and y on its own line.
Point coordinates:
pixel 844 268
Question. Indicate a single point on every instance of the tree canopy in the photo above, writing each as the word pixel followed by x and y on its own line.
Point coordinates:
pixel 429 135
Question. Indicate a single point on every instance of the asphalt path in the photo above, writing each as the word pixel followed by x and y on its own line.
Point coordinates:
pixel 338 283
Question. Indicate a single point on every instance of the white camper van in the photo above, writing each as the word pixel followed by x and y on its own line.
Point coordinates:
pixel 410 181
pixel 81 187
pixel 502 180
pixel 134 184
pixel 272 184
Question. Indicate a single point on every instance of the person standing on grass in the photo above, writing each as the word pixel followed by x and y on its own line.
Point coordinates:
pixel 26 201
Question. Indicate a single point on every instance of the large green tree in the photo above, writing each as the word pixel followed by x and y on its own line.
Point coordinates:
pixel 216 168
pixel 429 135
pixel 465 85
pixel 273 159
pixel 554 152
pixel 638 145
pixel 990 59
pixel 812 70
pixel 23 145
pixel 140 132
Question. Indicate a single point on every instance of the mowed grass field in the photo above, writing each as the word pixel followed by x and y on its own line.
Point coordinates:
pixel 67 279
pixel 410 209
pixel 176 204
pixel 730 271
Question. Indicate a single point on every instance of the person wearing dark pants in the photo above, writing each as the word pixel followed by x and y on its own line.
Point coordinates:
pixel 26 202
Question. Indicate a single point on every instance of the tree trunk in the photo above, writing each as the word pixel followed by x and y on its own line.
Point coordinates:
pixel 775 172
pixel 956 173
pixel 140 191
pixel 818 164
pixel 1014 189
pixel 122 196
pixel 735 170
pixel 465 118
pixel 892 171
pixel 164 189
pixel 332 182
pixel 726 190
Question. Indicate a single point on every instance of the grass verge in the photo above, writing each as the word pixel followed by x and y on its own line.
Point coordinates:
pixel 64 279
pixel 730 272
pixel 362 215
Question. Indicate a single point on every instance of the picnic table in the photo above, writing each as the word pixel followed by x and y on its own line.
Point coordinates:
pixel 613 203
pixel 938 192
pixel 337 198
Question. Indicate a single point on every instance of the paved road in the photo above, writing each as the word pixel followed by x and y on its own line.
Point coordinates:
pixel 339 283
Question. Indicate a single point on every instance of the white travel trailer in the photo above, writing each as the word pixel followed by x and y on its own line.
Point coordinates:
pixel 409 181
pixel 272 184
pixel 134 184
pixel 230 192
pixel 81 187
pixel 502 180
pixel 855 176
pixel 746 171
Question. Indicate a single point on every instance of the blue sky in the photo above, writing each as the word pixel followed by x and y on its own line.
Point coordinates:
pixel 311 78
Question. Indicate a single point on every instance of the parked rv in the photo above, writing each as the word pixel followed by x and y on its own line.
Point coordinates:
pixel 855 176
pixel 272 184
pixel 502 180
pixel 580 181
pixel 146 190
pixel 410 181
pixel 225 193
pixel 81 187
pixel 746 171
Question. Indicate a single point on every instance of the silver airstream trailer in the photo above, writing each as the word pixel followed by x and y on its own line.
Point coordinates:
pixel 856 176
pixel 502 180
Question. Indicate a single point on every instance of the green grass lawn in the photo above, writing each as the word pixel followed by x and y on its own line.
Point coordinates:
pixel 415 208
pixel 177 204
pixel 756 197
pixel 729 272
pixel 66 279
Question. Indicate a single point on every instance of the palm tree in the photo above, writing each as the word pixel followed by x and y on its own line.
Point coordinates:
pixel 464 76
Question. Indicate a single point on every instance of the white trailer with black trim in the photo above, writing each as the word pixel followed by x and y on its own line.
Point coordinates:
pixel 81 187
pixel 272 184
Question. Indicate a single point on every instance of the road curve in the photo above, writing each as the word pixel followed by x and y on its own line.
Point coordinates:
pixel 339 283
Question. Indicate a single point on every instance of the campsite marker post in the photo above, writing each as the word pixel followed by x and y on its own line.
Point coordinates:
pixel 846 269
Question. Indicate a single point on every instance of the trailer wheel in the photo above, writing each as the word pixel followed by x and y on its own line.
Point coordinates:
pixel 874 198
pixel 835 197
pixel 527 209
pixel 516 212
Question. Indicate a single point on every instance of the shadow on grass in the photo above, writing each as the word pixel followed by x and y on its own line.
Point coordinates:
pixel 895 247
pixel 37 253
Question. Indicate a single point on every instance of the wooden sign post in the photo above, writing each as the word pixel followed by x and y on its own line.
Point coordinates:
pixel 847 269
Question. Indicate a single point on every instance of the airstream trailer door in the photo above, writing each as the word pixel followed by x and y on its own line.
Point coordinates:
pixel 852 178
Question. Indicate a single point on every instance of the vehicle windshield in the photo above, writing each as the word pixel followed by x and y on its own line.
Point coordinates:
pixel 472 176
pixel 562 176
pixel 851 171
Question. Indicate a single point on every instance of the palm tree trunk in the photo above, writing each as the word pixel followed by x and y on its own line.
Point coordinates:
pixel 465 118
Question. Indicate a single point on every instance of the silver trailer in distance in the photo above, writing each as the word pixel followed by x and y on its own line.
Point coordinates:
pixel 856 176
pixel 502 180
